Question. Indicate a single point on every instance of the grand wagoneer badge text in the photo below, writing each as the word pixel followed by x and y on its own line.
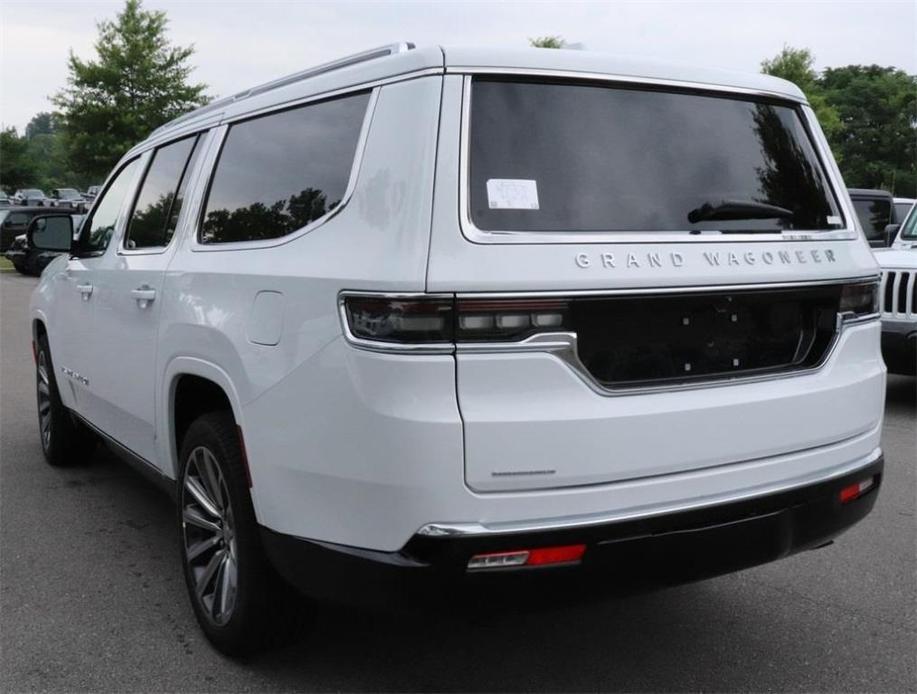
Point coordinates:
pixel 710 258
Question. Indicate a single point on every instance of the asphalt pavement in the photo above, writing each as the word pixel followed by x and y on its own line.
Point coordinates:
pixel 91 597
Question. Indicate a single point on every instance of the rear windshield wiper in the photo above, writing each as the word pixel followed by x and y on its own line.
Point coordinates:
pixel 737 209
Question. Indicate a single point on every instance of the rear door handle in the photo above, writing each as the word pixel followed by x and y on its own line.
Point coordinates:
pixel 85 290
pixel 144 295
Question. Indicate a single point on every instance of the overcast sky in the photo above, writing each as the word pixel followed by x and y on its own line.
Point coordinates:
pixel 242 43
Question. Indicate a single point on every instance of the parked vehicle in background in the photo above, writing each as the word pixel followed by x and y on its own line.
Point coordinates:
pixel 31 261
pixel 902 208
pixel 875 210
pixel 898 295
pixel 4 199
pixel 14 221
pixel 91 193
pixel 30 196
pixel 67 197
pixel 567 356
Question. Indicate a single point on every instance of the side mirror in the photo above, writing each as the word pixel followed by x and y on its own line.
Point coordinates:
pixel 51 233
pixel 891 231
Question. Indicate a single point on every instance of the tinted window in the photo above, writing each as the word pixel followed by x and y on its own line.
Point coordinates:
pixel 874 214
pixel 279 172
pixel 18 218
pixel 161 195
pixel 579 157
pixel 901 210
pixel 97 231
pixel 909 230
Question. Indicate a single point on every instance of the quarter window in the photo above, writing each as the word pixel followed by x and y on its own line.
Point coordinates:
pixel 279 172
pixel 101 225
pixel 161 195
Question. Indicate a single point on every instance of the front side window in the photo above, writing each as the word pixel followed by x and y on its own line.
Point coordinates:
pixel 159 202
pixel 587 157
pixel 96 233
pixel 279 172
pixel 874 214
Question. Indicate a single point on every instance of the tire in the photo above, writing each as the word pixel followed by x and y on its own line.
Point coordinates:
pixel 20 268
pixel 64 441
pixel 240 602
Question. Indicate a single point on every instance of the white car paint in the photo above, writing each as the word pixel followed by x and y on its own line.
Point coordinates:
pixel 365 448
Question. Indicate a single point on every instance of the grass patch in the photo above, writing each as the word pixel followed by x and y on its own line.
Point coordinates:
pixel 6 265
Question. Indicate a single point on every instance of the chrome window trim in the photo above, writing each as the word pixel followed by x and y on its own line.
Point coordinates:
pixel 475 235
pixel 226 127
pixel 623 79
pixel 475 529
pixel 562 345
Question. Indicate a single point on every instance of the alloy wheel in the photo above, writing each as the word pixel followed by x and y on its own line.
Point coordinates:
pixel 44 400
pixel 209 536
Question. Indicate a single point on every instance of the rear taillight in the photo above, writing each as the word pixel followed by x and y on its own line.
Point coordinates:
pixel 859 300
pixel 433 321
pixel 396 320
pixel 485 320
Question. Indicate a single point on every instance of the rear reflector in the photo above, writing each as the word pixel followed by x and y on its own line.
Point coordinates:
pixel 855 491
pixel 543 556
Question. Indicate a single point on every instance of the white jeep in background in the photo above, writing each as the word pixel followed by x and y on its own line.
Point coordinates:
pixel 898 297
pixel 427 317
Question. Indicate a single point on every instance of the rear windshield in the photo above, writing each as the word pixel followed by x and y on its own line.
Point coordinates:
pixel 588 157
pixel 874 214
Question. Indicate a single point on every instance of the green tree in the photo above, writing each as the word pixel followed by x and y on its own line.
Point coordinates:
pixel 547 42
pixel 43 123
pixel 797 66
pixel 878 109
pixel 137 82
pixel 17 169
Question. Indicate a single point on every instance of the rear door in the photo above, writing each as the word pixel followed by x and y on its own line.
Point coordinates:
pixel 127 285
pixel 548 189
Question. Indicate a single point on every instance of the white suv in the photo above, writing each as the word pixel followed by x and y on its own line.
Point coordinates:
pixel 898 296
pixel 426 314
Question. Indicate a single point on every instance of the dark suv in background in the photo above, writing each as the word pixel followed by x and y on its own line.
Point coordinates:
pixel 876 209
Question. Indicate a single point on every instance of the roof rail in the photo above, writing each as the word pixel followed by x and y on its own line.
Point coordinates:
pixel 363 56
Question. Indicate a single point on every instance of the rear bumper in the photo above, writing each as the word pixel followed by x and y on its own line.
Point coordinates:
pixel 649 551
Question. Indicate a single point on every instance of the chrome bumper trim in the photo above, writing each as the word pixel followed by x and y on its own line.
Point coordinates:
pixel 480 529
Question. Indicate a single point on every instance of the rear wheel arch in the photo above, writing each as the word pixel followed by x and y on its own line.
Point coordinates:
pixel 194 388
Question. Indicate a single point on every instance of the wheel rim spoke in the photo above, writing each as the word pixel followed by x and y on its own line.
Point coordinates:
pixel 197 549
pixel 210 570
pixel 227 588
pixel 190 515
pixel 210 478
pixel 201 496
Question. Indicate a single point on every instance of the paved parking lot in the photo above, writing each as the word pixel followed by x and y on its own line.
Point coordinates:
pixel 91 597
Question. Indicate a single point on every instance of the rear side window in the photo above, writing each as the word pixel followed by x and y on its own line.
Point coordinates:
pixel 874 214
pixel 590 157
pixel 279 172
pixel 161 195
